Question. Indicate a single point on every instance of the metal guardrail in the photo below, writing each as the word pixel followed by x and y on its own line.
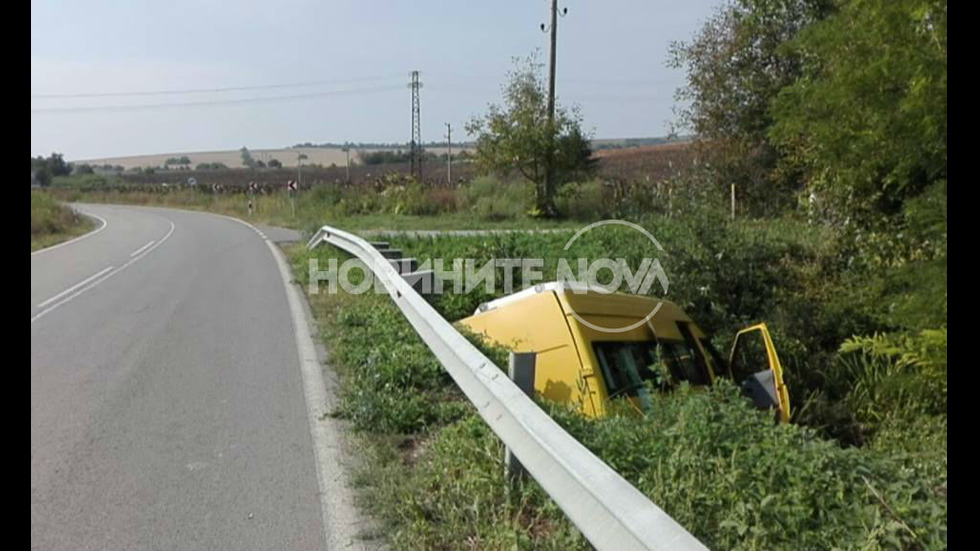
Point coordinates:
pixel 609 511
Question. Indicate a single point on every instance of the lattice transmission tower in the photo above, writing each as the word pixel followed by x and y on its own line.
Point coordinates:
pixel 416 151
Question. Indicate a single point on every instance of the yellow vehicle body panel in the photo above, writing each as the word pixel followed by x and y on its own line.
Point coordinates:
pixel 559 325
pixel 537 324
pixel 549 324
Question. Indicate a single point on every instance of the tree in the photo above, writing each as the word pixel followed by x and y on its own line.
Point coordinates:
pixel 866 126
pixel 40 171
pixel 736 65
pixel 516 136
pixel 57 165
pixel 247 159
pixel 45 169
pixel 275 163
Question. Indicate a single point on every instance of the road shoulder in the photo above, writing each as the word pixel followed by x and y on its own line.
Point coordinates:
pixel 345 527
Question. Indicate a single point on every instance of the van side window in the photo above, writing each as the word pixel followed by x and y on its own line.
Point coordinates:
pixel 626 365
pixel 682 363
pixel 718 362
pixel 692 359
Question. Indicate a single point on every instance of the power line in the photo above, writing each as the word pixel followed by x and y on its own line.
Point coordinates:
pixel 213 90
pixel 207 103
pixel 603 81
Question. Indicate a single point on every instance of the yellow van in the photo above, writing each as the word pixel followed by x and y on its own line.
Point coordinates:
pixel 592 347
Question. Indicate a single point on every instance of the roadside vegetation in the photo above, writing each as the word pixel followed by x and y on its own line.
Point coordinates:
pixel 434 471
pixel 53 222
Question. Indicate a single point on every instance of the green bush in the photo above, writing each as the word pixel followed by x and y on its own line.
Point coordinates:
pixel 736 480
pixel 723 470
pixel 395 385
pixel 589 200
pixel 885 376
pixel 492 199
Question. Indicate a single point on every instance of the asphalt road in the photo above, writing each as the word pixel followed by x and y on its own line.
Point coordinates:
pixel 167 403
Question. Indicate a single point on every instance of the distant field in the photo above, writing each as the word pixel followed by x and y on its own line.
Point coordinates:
pixel 327 156
pixel 647 163
pixel 233 158
pixel 643 150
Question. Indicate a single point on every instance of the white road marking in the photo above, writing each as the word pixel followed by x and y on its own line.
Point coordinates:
pixel 73 287
pixel 143 248
pixel 77 239
pixel 106 276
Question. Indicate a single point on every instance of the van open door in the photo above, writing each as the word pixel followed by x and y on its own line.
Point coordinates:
pixel 756 369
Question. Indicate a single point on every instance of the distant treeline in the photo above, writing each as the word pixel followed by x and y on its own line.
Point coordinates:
pixel 404 147
pixel 375 145
pixel 637 142
pixel 388 156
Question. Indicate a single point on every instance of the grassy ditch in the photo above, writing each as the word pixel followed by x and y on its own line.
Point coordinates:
pixel 864 345
pixel 433 472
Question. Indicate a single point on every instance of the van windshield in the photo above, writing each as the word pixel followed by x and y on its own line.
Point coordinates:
pixel 627 365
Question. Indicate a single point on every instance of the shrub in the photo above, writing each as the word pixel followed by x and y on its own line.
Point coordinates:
pixel 589 200
pixel 736 480
pixel 723 470
pixel 492 199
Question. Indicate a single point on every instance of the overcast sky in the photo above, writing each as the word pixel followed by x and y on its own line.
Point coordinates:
pixel 354 58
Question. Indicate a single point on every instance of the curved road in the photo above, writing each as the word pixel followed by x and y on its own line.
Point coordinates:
pixel 167 402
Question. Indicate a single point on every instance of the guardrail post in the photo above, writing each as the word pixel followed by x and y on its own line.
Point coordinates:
pixel 520 369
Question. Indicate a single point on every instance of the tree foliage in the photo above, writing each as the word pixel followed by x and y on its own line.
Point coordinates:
pixel 247 158
pixel 736 65
pixel 517 136
pixel 845 99
pixel 45 168
pixel 866 123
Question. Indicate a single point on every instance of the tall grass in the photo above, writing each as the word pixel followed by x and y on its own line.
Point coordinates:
pixel 395 208
pixel 52 222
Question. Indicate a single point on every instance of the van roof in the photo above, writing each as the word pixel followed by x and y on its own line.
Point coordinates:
pixel 589 301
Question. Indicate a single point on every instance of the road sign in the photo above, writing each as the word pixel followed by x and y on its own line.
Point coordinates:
pixel 192 181
pixel 291 186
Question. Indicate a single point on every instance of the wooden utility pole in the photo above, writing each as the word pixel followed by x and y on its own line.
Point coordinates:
pixel 550 156
pixel 551 62
pixel 449 154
